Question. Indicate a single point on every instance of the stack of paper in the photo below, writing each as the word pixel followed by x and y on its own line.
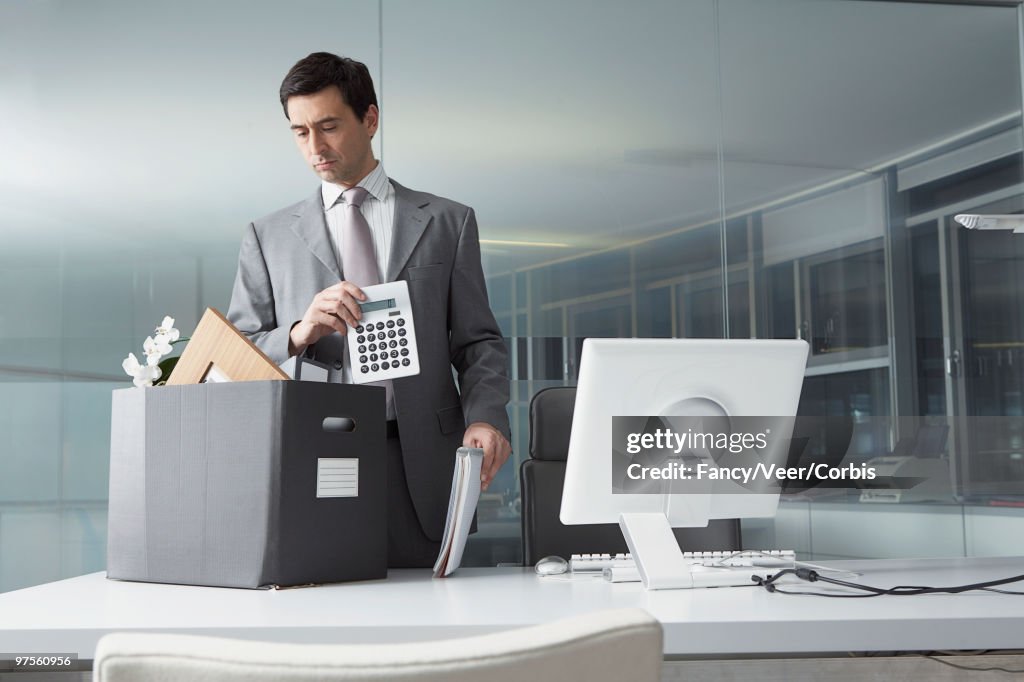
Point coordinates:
pixel 461 507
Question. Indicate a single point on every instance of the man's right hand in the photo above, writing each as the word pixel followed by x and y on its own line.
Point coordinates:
pixel 334 309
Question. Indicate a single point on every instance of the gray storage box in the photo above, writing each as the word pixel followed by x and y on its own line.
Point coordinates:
pixel 249 484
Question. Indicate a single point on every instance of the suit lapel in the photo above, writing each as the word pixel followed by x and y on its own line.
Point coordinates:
pixel 311 227
pixel 410 223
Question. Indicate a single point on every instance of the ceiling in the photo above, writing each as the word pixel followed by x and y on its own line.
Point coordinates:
pixel 584 123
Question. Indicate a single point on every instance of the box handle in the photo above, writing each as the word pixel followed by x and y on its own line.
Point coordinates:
pixel 339 424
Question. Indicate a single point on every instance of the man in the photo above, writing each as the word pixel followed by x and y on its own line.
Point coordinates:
pixel 298 288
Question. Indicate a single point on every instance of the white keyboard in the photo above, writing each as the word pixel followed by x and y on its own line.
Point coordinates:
pixel 767 558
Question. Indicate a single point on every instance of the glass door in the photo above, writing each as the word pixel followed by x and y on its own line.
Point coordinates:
pixel 984 362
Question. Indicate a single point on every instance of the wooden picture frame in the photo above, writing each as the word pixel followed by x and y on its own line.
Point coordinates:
pixel 217 351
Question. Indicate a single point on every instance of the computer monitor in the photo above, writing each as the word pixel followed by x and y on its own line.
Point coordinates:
pixel 713 378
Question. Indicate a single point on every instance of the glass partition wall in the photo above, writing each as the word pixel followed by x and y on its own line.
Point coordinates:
pixel 714 168
pixel 848 135
pixel 138 140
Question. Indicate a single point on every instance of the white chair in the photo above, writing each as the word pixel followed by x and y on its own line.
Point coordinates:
pixel 622 644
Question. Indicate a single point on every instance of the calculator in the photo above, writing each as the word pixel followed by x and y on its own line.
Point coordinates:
pixel 383 346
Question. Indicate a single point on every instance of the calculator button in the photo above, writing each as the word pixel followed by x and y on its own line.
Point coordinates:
pixel 359 329
pixel 362 349
pixel 391 334
pixel 400 322
pixel 385 365
pixel 403 342
pixel 380 326
pixel 391 324
pixel 375 367
pixel 401 332
pixel 364 369
pixel 404 351
pixel 394 354
pixel 373 356
pixel 392 344
pixel 361 338
pixel 363 359
pixel 373 347
pixel 405 362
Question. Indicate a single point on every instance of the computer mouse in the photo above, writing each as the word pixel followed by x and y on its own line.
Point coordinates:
pixel 551 565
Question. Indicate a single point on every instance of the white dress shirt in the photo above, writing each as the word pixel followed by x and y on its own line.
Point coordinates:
pixel 379 210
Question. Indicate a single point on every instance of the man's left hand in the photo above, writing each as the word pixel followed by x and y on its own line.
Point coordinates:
pixel 495 446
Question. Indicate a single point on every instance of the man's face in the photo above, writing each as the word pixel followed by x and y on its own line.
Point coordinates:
pixel 332 139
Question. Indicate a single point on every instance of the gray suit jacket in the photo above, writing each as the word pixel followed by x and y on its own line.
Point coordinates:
pixel 287 257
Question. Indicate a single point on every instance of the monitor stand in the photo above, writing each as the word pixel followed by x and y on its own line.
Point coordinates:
pixel 660 561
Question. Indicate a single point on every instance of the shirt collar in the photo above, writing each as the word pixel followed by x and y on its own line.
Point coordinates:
pixel 375 183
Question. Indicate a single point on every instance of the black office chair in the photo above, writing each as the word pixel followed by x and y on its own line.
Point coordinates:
pixel 541 479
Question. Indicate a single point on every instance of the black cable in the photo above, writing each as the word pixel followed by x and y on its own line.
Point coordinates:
pixel 899 591
pixel 910 590
pixel 822 594
pixel 967 652
pixel 768 584
pixel 971 668
pixel 992 589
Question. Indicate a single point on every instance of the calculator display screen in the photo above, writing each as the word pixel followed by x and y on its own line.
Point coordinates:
pixel 374 306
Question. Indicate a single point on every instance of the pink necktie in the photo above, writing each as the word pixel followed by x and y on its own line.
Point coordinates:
pixel 358 261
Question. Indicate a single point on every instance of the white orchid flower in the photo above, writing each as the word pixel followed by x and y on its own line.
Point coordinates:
pixel 167 330
pixel 142 375
pixel 131 365
pixel 155 348
pixel 147 375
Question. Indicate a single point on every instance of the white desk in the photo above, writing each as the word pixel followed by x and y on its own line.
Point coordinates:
pixel 71 615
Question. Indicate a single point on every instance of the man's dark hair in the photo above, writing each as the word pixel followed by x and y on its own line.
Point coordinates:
pixel 322 70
